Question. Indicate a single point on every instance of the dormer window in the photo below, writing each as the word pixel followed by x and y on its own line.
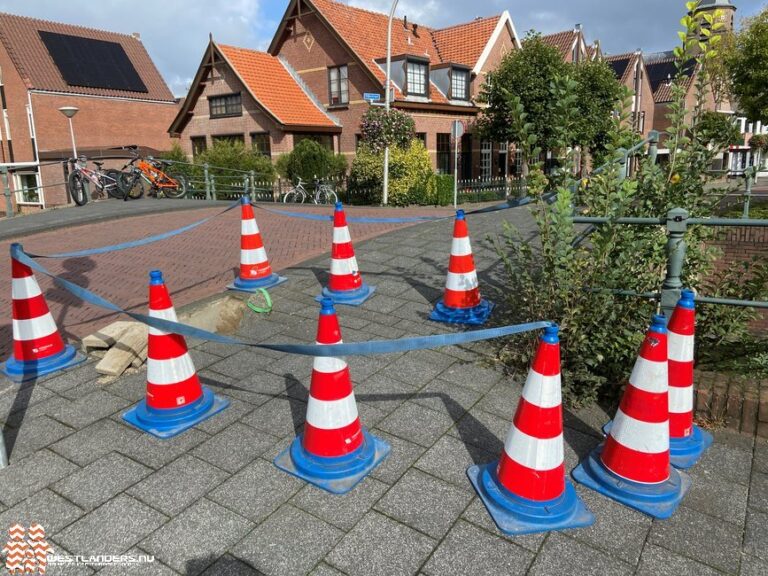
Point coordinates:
pixel 417 78
pixel 459 84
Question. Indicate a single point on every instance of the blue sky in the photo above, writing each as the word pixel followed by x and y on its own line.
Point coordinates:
pixel 175 32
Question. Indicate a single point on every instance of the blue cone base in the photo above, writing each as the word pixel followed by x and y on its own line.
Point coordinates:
pixel 19 371
pixel 685 452
pixel 173 421
pixel 476 316
pixel 657 500
pixel 336 475
pixel 256 285
pixel 350 297
pixel 516 516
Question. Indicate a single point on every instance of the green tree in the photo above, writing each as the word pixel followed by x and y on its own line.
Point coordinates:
pixel 310 160
pixel 228 155
pixel 524 75
pixel 597 95
pixel 748 67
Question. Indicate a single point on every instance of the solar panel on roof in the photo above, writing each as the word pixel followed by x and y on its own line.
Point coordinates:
pixel 92 63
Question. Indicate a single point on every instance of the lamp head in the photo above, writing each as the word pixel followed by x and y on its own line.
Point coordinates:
pixel 69 111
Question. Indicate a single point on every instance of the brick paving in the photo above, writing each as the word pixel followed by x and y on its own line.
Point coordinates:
pixel 196 264
pixel 211 502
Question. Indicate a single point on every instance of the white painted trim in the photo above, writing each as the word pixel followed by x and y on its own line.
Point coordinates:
pixel 79 95
pixel 33 134
pixel 536 453
pixel 331 414
pixel 542 391
pixel 504 20
pixel 646 437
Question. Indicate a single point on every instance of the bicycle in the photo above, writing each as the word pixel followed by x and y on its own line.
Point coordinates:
pixel 104 181
pixel 324 194
pixel 150 172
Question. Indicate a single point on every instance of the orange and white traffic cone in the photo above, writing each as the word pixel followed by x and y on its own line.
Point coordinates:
pixel 687 441
pixel 461 303
pixel 175 398
pixel 38 348
pixel 526 490
pixel 345 285
pixel 632 466
pixel 255 272
pixel 335 452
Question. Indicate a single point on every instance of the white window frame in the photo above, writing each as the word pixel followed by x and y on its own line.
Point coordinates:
pixel 486 159
pixel 19 189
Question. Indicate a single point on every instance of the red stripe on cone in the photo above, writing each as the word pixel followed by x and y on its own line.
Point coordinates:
pixel 462 298
pixel 173 395
pixel 332 443
pixel 37 349
pixel 635 465
pixel 29 308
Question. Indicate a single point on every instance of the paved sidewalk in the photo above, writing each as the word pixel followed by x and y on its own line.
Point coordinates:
pixel 196 264
pixel 211 502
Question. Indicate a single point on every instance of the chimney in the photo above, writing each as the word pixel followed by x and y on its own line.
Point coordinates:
pixel 136 35
pixel 405 22
pixel 577 28
pixel 415 29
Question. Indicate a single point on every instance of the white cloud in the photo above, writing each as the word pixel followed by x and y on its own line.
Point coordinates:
pixel 422 12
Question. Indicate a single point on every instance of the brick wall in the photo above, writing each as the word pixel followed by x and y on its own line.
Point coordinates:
pixel 253 119
pixel 741 244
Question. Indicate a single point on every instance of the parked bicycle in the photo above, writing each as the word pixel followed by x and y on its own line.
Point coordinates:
pixel 324 194
pixel 140 173
pixel 105 182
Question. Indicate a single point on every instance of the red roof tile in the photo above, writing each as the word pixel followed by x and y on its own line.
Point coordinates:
pixel 21 39
pixel 366 34
pixel 281 96
pixel 563 41
pixel 464 43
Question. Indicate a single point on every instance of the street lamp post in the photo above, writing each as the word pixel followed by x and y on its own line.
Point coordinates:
pixel 69 112
pixel 385 195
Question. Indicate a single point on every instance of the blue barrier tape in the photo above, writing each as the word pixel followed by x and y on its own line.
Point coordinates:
pixel 385 220
pixel 352 349
pixel 135 243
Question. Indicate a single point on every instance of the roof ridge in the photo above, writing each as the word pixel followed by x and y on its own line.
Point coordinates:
pixel 369 11
pixel 80 26
pixel 478 19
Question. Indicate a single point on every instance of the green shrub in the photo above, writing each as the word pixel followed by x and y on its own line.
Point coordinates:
pixel 310 160
pixel 176 154
pixel 443 189
pixel 379 128
pixel 411 179
pixel 231 155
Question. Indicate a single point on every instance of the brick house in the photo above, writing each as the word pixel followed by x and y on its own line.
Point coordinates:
pixel 109 77
pixel 334 54
pixel 572 45
pixel 631 72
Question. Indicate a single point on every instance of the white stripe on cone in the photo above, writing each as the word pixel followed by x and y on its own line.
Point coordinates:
pixel 341 235
pixel 542 391
pixel 680 347
pixel 331 414
pixel 170 371
pixel 535 453
pixel 254 256
pixel 24 288
pixel 34 328
pixel 248 227
pixel 461 282
pixel 649 376
pixel 680 399
pixel 328 364
pixel 647 437
pixel 343 266
pixel 461 246
pixel 166 314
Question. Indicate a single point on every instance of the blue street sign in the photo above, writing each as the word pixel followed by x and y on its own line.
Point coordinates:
pixel 371 96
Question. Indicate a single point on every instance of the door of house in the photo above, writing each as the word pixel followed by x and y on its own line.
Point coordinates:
pixel 466 157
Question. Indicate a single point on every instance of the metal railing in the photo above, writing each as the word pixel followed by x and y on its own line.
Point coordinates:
pixel 676 222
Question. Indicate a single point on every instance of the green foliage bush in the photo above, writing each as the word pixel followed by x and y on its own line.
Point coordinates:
pixel 232 155
pixel 443 190
pixel 411 179
pixel 379 128
pixel 310 160
pixel 558 278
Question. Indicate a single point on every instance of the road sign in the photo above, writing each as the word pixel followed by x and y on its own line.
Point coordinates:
pixel 371 97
